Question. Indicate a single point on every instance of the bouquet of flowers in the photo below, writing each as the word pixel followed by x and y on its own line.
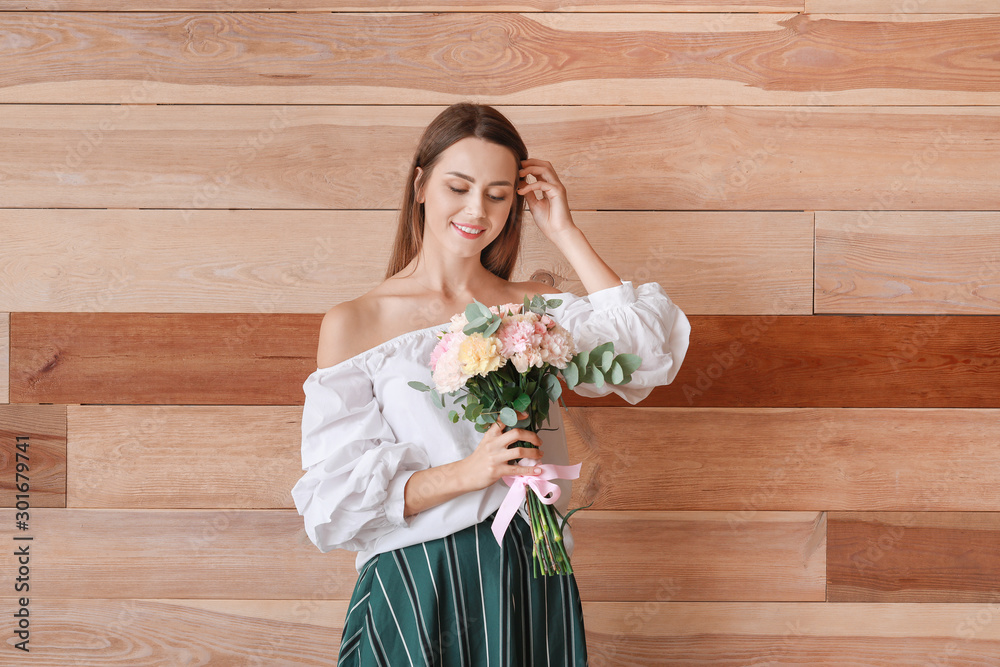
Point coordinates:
pixel 507 359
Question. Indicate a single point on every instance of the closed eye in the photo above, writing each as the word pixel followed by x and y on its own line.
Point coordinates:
pixel 490 196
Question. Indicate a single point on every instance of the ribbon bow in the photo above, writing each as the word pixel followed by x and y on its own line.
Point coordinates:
pixel 539 484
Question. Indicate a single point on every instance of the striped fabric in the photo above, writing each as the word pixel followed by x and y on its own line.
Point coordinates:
pixel 463 601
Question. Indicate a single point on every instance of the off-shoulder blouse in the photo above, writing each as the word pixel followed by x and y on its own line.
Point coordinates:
pixel 365 431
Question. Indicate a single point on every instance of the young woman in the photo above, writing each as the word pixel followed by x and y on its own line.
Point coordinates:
pixel 390 476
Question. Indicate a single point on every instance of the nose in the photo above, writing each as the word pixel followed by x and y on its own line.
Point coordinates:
pixel 475 207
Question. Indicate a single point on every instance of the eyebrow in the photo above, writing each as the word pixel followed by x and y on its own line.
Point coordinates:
pixel 472 180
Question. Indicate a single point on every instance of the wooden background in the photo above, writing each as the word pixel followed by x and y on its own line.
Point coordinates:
pixel 187 185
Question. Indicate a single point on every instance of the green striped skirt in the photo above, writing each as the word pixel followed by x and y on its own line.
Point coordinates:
pixel 463 600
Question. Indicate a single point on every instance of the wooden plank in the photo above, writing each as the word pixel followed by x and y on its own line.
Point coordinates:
pixel 4 357
pixel 761 361
pixel 733 634
pixel 40 431
pixel 907 262
pixel 609 158
pixel 785 459
pixel 721 634
pixel 698 556
pixel 901 10
pixel 154 457
pixel 95 553
pixel 914 557
pixel 414 6
pixel 251 261
pixel 249 358
pixel 150 457
pixel 394 58
pixel 835 361
pixel 249 632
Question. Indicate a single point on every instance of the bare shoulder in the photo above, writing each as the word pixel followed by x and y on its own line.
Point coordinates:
pixel 338 333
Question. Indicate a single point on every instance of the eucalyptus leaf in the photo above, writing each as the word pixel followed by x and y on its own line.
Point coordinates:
pixel 629 362
pixel 508 416
pixel 617 374
pixel 521 403
pixel 453 416
pixel 552 387
pixel 606 360
pixel 571 374
pixel 437 398
pixel 598 352
pixel 418 385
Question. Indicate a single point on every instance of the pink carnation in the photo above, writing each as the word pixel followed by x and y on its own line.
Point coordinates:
pixel 558 347
pixel 448 375
pixel 446 342
pixel 518 333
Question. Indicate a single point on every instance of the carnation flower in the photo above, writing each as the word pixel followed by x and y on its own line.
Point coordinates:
pixel 479 355
pixel 448 375
pixel 558 347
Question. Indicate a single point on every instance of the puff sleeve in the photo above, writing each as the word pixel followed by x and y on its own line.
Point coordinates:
pixel 356 470
pixel 639 320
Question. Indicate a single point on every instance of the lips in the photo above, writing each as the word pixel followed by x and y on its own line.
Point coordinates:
pixel 465 233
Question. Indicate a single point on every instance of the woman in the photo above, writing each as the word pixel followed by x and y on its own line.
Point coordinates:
pixel 390 476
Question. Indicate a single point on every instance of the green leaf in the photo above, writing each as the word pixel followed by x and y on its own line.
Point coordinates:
pixel 594 376
pixel 606 359
pixel 570 513
pixel 552 386
pixel 571 374
pixel 617 374
pixel 437 398
pixel 491 329
pixel 598 352
pixel 521 403
pixel 508 417
pixel 453 416
pixel 418 385
pixel 629 362
pixel 554 303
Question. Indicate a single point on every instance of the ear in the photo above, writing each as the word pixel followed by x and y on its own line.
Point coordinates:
pixel 418 185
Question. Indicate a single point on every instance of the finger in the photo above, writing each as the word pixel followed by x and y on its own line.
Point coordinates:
pixel 524 470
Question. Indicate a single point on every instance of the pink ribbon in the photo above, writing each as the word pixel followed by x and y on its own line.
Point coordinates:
pixel 539 484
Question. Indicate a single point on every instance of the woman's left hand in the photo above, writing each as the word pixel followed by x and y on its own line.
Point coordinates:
pixel 551 213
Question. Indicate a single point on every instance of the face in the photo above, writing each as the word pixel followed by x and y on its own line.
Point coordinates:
pixel 472 186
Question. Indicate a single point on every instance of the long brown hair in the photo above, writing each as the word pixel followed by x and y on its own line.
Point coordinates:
pixel 460 120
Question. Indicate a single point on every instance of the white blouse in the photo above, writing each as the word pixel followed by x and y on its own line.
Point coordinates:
pixel 365 431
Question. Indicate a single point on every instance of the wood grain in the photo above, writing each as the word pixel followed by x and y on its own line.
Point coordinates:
pixel 699 556
pixel 907 262
pixel 419 6
pixel 835 361
pixel 146 633
pixel 787 459
pixel 733 634
pixel 4 357
pixel 157 632
pixel 505 58
pixel 183 456
pixel 745 460
pixel 218 359
pixel 95 553
pixel 262 359
pixel 64 260
pixel 902 10
pixel 609 158
pixel 41 429
pixel 914 557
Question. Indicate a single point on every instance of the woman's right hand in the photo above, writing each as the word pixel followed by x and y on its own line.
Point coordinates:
pixel 489 462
